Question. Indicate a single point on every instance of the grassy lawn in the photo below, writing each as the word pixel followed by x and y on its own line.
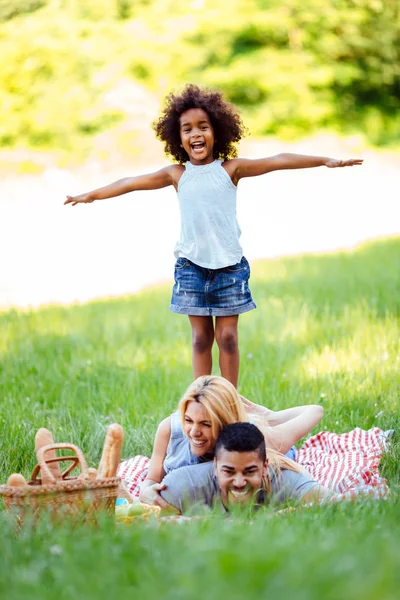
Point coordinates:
pixel 326 330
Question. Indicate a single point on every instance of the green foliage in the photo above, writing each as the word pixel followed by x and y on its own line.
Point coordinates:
pixel 10 9
pixel 124 9
pixel 49 93
pixel 291 68
pixel 305 66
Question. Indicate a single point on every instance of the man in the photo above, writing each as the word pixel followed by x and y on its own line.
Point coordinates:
pixel 238 475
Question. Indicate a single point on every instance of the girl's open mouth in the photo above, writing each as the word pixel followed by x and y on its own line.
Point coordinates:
pixel 198 146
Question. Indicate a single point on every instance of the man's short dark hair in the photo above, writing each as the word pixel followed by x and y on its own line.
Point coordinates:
pixel 241 437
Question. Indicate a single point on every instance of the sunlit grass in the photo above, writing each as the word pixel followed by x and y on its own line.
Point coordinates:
pixel 325 331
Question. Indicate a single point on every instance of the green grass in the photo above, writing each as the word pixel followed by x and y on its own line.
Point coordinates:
pixel 326 330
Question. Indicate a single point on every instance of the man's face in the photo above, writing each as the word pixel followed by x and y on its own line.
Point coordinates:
pixel 239 475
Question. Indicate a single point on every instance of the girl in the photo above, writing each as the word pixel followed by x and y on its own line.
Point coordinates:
pixel 199 129
pixel 210 403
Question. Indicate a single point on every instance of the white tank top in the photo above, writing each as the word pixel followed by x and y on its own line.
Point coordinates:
pixel 209 229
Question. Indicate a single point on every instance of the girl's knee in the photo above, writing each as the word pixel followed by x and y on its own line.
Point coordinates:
pixel 202 341
pixel 227 340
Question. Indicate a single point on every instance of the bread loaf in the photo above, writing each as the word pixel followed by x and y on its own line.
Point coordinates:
pixel 16 480
pixel 89 475
pixel 92 473
pixel 111 455
pixel 44 438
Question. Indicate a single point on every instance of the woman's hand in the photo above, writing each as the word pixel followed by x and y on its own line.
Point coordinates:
pixel 150 494
pixel 255 409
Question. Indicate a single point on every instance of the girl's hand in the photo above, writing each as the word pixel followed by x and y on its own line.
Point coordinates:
pixel 81 199
pixel 332 163
pixel 150 494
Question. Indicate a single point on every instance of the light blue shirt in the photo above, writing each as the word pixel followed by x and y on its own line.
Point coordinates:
pixel 209 229
pixel 194 486
pixel 178 450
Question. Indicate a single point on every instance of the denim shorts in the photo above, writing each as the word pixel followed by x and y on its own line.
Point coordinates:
pixel 211 292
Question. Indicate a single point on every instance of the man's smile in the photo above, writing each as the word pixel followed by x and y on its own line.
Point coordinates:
pixel 240 493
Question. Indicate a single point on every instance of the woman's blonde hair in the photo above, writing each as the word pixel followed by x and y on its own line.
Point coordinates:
pixel 220 399
pixel 224 406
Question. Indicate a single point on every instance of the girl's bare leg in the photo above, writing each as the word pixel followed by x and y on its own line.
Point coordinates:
pixel 202 342
pixel 226 334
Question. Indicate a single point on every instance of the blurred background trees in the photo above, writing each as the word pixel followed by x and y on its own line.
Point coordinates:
pixel 292 68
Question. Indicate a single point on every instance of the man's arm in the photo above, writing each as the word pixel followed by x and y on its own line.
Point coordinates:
pixel 301 487
pixel 190 486
pixel 316 494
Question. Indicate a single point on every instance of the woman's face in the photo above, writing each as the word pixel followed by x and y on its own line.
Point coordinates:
pixel 197 427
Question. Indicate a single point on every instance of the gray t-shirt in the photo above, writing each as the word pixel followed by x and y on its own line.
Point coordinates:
pixel 196 485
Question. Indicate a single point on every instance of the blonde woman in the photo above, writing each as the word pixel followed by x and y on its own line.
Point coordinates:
pixel 188 436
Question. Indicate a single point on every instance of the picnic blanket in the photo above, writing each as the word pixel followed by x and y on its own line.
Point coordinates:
pixel 133 472
pixel 347 463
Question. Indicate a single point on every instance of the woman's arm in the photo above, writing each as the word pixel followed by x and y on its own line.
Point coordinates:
pixel 273 418
pixel 151 486
pixel 279 417
pixel 283 436
pixel 152 181
pixel 243 167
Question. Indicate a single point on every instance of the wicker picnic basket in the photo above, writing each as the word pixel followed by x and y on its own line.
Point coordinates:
pixel 80 497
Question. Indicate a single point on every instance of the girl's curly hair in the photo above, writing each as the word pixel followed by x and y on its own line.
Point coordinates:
pixel 224 117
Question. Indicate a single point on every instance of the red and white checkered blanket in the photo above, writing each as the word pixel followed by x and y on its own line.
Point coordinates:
pixel 346 463
pixel 133 472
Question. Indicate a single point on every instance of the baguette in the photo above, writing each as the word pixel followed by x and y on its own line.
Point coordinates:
pixel 16 480
pixel 90 475
pixel 111 455
pixel 44 438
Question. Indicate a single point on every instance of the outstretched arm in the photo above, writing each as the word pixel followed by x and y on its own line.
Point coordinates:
pixel 152 181
pixel 150 488
pixel 243 167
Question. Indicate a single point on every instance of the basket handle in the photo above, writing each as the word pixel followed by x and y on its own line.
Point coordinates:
pixel 44 466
